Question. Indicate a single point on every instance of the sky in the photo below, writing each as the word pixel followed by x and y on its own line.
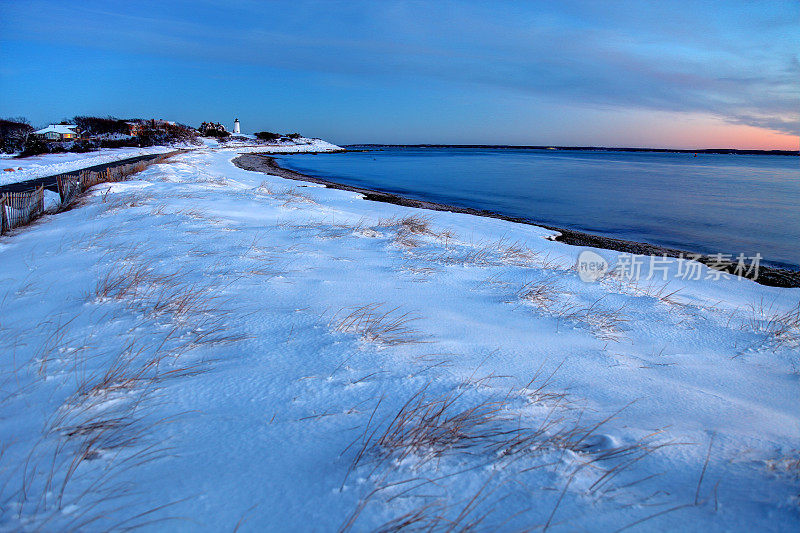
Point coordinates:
pixel 678 74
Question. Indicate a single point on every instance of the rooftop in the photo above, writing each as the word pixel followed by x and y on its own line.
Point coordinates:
pixel 58 128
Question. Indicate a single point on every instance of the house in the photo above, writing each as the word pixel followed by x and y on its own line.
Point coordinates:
pixel 134 128
pixel 158 124
pixel 58 132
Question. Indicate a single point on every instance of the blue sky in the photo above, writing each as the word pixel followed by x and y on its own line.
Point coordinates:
pixel 674 74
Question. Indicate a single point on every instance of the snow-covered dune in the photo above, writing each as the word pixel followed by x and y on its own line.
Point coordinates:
pixel 206 347
pixel 301 145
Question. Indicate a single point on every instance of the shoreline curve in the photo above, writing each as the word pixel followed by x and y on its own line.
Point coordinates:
pixel 264 162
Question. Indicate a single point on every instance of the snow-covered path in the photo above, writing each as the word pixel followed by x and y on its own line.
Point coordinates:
pixel 207 346
pixel 38 166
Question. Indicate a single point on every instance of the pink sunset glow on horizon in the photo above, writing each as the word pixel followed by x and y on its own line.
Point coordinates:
pixel 692 132
pixel 734 136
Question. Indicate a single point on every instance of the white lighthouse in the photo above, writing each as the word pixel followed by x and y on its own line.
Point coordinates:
pixel 236 126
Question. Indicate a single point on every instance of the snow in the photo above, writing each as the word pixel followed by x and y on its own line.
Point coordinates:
pixel 205 347
pixel 51 164
pixel 251 144
pixel 38 166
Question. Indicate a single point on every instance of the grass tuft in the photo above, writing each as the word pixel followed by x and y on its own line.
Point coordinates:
pixel 377 323
pixel 778 329
pixel 464 429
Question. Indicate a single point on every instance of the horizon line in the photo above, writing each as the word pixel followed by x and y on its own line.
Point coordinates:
pixel 587 147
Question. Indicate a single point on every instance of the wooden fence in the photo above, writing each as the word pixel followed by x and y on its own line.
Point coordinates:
pixel 69 187
pixel 20 208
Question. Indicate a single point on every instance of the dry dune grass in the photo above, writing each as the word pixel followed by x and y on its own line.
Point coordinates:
pixel 463 430
pixel 323 229
pixel 414 224
pixel 415 235
pixel 410 231
pixel 105 426
pixel 470 255
pixel 659 290
pixel 517 254
pixel 788 465
pixel 429 247
pixel 289 197
pixel 126 201
pixel 153 294
pixel 543 294
pixel 100 430
pixel 451 252
pixel 778 329
pixel 270 261
pixel 548 296
pixel 265 188
pixel 416 271
pixel 293 196
pixel 495 281
pixel 378 323
pixel 216 181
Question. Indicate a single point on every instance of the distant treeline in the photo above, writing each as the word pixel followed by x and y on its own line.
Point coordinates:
pixel 95 132
pixel 269 136
pixel 14 133
pixel 580 148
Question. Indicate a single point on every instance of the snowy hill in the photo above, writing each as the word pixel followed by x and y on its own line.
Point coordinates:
pixel 248 143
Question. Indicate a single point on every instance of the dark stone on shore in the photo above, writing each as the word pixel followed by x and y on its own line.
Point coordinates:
pixel 767 275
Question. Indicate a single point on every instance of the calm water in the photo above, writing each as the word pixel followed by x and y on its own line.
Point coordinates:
pixel 708 203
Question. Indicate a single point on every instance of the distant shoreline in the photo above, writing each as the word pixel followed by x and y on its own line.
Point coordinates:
pixel 265 162
pixel 727 151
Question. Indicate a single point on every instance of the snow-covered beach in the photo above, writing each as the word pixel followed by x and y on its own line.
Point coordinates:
pixel 206 347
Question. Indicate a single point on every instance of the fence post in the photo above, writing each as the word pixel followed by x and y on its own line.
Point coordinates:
pixel 3 221
pixel 60 182
pixel 40 200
